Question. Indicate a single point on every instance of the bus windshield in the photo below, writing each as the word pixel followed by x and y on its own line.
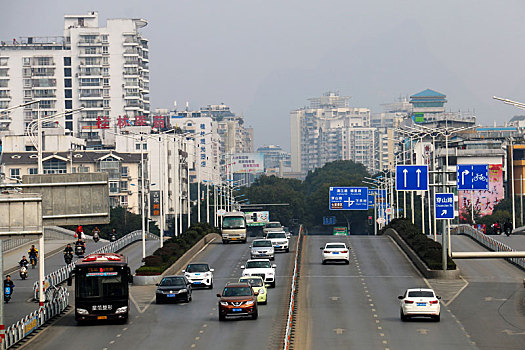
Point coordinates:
pixel 233 222
pixel 101 285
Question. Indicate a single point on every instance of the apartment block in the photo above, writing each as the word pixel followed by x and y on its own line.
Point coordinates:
pixel 103 70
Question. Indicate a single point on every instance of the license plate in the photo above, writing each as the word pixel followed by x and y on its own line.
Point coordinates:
pixel 277 246
pixel 233 239
pixel 421 304
pixel 102 317
pixel 335 253
pixel 196 282
pixel 197 274
pixel 171 295
pixel 236 310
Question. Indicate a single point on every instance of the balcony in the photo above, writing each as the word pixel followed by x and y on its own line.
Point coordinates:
pixel 84 42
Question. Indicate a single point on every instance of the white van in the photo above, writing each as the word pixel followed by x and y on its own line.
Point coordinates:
pixel 233 227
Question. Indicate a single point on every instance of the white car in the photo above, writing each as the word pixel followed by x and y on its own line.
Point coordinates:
pixel 279 240
pixel 335 251
pixel 272 226
pixel 260 267
pixel 262 248
pixel 419 302
pixel 199 274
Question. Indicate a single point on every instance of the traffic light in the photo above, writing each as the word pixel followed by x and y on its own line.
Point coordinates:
pixel 370 220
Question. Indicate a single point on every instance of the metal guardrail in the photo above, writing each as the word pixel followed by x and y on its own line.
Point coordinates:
pixel 60 275
pixel 13 243
pixel 489 242
pixel 24 327
pixel 291 305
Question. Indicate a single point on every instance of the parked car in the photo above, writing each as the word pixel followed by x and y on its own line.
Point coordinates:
pixel 173 288
pixel 262 248
pixel 258 286
pixel 279 240
pixel 260 267
pixel 199 274
pixel 419 302
pixel 335 251
pixel 237 299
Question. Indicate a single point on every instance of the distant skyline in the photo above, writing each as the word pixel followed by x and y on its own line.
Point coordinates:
pixel 265 58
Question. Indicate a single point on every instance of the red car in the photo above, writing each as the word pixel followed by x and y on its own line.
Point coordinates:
pixel 237 299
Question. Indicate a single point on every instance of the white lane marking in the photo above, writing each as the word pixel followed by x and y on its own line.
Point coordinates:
pixel 351 276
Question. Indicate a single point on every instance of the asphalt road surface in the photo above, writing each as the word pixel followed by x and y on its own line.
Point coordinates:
pixel 193 325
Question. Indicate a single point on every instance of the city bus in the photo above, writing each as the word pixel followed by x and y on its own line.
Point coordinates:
pixel 233 227
pixel 101 288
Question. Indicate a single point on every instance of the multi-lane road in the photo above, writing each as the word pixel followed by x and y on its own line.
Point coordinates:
pixel 193 325
pixel 340 306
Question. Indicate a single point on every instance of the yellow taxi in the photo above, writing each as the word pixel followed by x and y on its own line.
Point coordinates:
pixel 258 285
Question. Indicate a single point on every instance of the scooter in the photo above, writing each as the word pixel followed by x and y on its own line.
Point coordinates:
pixel 112 238
pixel 23 272
pixel 33 262
pixel 7 293
pixel 96 238
pixel 79 251
pixel 68 258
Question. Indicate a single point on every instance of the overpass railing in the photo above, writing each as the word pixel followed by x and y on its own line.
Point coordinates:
pixel 488 242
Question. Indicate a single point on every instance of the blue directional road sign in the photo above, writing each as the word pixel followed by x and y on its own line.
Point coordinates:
pixel 473 177
pixel 444 206
pixel 412 178
pixel 329 220
pixel 371 200
pixel 348 198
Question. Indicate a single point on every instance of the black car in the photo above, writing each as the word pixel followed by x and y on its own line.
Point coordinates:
pixel 173 288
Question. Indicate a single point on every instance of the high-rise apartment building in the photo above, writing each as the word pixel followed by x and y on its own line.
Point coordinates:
pixel 102 69
pixel 331 130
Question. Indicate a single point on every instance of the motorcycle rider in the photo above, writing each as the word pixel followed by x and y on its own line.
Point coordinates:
pixel 81 243
pixel 79 232
pixel 113 236
pixel 9 283
pixel 68 251
pixel 96 234
pixel 33 255
pixel 23 262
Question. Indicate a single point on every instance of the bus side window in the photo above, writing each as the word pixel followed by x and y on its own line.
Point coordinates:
pixel 130 276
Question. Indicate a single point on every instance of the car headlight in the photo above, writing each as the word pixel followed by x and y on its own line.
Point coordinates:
pixel 122 310
pixel 224 303
pixel 183 290
pixel 248 303
pixel 82 312
pixel 261 291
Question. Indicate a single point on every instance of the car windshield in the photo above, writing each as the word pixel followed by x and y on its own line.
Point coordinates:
pixel 262 243
pixel 254 282
pixel 421 293
pixel 334 246
pixel 258 265
pixel 173 282
pixel 233 222
pixel 197 268
pixel 276 235
pixel 237 292
pixel 273 225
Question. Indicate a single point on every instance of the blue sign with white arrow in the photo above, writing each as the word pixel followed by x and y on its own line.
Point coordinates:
pixel 444 206
pixel 473 177
pixel 412 177
pixel 348 198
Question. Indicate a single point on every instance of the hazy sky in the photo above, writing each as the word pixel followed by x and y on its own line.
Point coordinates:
pixel 266 57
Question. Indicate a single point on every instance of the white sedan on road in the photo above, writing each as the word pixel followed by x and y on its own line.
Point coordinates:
pixel 260 267
pixel 419 302
pixel 335 251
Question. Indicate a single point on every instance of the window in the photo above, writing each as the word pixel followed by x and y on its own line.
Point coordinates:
pixel 69 103
pixel 124 171
pixel 14 173
pixel 123 201
pixel 69 126
pixel 27 83
pixel 106 103
pixel 28 93
pixel 55 166
pixel 67 83
pixel 123 186
pixel 105 50
pixel 67 72
pixel 68 93
pixel 104 38
pixel 90 51
pixel 32 171
pixel 83 169
pixel 113 187
pixel 67 61
pixel 26 61
pixel 203 126
pixel 106 81
pixel 105 60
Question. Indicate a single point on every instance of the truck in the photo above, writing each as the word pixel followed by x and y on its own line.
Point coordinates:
pixel 233 227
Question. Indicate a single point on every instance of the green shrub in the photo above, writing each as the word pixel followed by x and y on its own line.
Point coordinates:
pixel 173 249
pixel 427 249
